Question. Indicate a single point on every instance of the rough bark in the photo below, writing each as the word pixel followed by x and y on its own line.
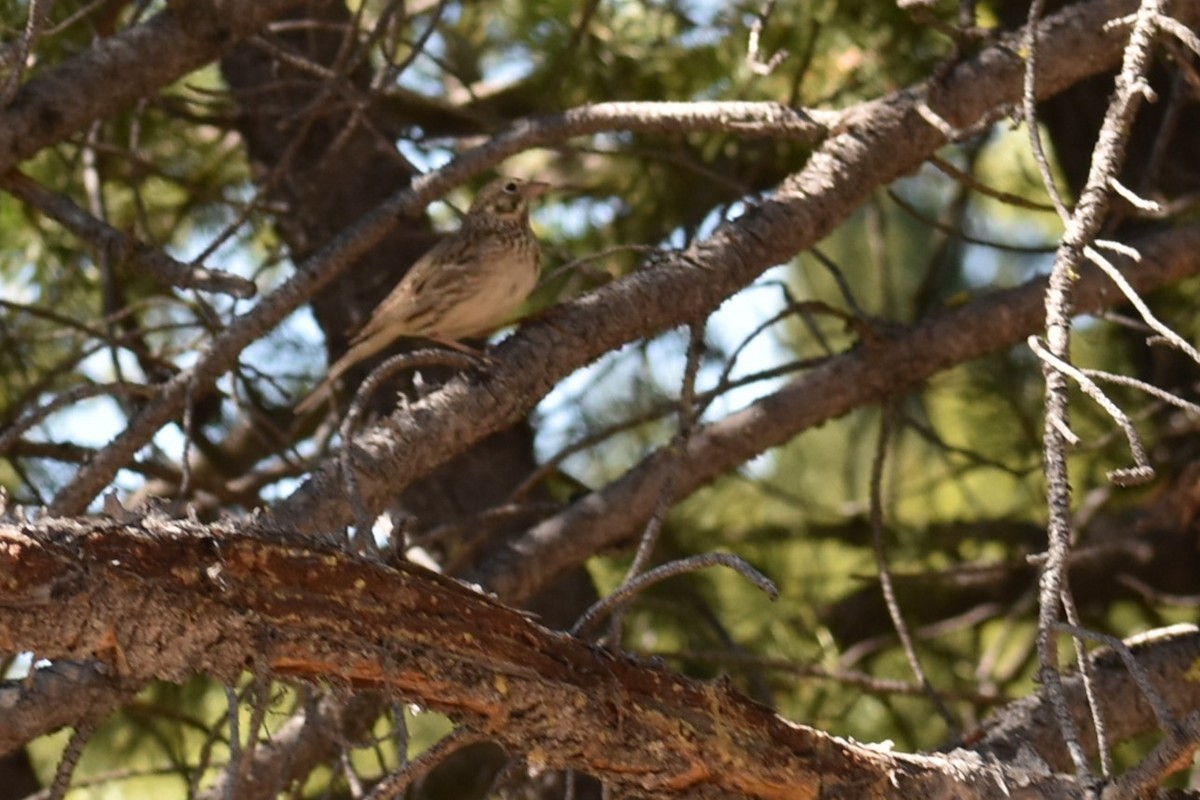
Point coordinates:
pixel 254 602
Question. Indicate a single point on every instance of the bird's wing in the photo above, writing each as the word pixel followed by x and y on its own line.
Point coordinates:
pixel 437 277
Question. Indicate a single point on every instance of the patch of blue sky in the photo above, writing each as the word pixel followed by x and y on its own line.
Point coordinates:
pixel 983 265
pixel 22 287
pixel 704 13
pixel 700 37
pixel 509 65
pixel 424 157
pixel 575 217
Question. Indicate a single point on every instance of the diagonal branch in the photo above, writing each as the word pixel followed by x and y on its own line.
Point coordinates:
pixel 859 377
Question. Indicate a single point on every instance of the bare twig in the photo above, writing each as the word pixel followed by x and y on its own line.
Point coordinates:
pixel 961 235
pixel 1168 335
pixel 687 421
pixel 396 784
pixel 971 182
pixel 887 415
pixel 633 586
pixel 1083 225
pixel 67 398
pixel 1141 471
pixel 1166 720
pixel 394 71
pixel 17 59
pixel 70 760
pixel 233 768
pixel 1150 389
pixel 845 677
pixel 753 55
pixel 1088 678
pixel 1029 97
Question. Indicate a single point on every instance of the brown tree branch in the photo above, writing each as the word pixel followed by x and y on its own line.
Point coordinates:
pixel 59 695
pixel 163 599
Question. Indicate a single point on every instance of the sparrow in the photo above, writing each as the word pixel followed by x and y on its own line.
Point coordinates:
pixel 465 286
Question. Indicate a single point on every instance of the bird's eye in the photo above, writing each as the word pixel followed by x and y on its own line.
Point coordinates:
pixel 510 187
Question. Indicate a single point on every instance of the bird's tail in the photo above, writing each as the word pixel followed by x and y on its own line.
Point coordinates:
pixel 317 397
pixel 325 388
pixel 358 351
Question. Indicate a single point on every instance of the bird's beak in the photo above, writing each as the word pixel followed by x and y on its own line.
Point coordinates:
pixel 534 189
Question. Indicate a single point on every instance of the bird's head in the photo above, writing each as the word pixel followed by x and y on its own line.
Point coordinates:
pixel 508 198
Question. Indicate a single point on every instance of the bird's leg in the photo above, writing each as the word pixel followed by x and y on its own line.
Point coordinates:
pixel 460 347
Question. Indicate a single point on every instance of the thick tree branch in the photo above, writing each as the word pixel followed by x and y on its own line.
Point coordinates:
pixel 163 599
pixel 56 696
